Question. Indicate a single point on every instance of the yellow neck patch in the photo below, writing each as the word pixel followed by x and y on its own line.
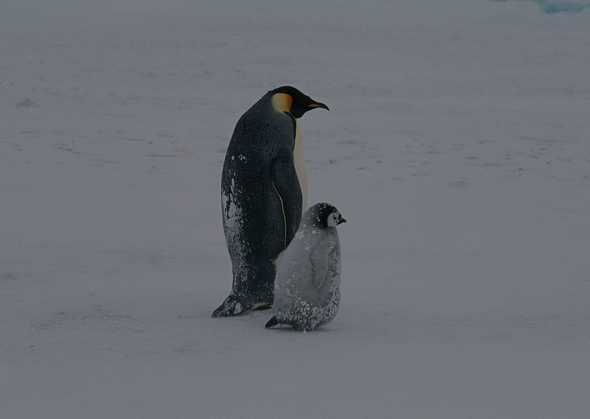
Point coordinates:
pixel 282 102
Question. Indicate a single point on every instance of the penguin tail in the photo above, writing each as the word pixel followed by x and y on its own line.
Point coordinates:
pixel 271 323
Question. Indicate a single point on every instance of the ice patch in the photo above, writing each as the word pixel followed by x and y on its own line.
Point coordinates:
pixel 557 6
pixel 552 7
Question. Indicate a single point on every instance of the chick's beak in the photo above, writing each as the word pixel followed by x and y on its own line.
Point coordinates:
pixel 314 105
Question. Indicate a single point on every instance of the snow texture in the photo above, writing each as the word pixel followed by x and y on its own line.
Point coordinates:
pixel 233 217
pixel 457 146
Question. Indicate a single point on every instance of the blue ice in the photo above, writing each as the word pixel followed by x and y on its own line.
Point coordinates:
pixel 552 7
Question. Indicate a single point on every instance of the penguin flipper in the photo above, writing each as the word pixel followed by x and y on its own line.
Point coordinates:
pixel 231 306
pixel 286 183
pixel 319 259
pixel 271 323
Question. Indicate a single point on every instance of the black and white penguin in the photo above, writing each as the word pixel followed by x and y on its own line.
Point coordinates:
pixel 261 195
pixel 307 287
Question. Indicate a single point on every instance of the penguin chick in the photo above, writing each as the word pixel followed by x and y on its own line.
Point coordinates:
pixel 307 286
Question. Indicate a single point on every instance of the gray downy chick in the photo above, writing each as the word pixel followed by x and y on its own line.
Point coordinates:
pixel 307 286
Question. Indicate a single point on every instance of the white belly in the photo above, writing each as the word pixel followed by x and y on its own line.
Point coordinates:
pixel 300 166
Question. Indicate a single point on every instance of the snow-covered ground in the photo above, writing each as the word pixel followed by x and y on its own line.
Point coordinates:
pixel 458 147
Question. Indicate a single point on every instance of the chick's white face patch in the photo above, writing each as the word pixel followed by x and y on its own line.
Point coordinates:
pixel 334 219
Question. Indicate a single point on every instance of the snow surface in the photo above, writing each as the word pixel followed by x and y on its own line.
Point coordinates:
pixel 457 148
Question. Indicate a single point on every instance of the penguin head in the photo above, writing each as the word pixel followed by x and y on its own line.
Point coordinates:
pixel 292 100
pixel 324 215
pixel 334 218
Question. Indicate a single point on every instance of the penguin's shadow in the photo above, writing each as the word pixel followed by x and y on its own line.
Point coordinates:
pixel 290 330
pixel 265 314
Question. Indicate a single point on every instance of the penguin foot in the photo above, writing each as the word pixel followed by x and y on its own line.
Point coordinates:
pixel 232 306
pixel 271 323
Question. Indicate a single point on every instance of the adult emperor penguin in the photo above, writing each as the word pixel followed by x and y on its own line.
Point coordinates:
pixel 261 195
pixel 307 287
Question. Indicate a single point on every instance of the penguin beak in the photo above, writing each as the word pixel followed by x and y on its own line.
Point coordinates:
pixel 342 220
pixel 314 105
